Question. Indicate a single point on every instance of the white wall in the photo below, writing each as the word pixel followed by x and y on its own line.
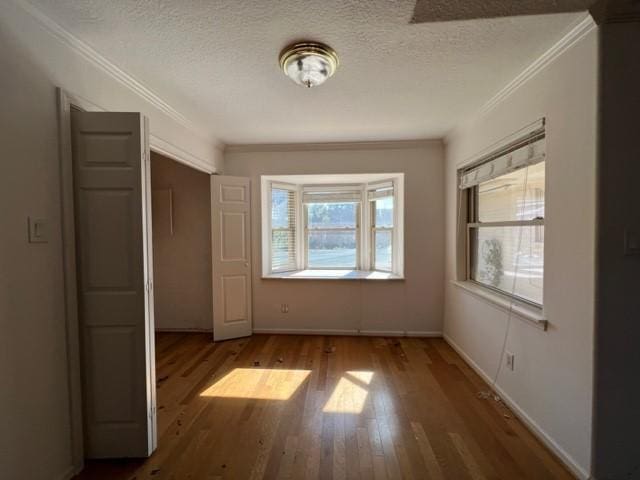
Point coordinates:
pixel 413 305
pixel 552 382
pixel 35 434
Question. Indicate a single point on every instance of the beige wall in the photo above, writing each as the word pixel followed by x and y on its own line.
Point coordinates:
pixel 413 305
pixel 182 260
pixel 35 434
pixel 552 381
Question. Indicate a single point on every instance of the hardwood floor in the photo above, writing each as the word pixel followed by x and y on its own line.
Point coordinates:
pixel 327 407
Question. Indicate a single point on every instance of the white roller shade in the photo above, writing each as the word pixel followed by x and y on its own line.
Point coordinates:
pixel 529 154
pixel 317 196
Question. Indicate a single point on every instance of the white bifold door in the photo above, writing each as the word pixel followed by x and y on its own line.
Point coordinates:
pixel 231 252
pixel 111 176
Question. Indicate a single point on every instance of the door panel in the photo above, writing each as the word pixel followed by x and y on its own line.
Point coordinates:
pixel 234 293
pixel 233 228
pixel 232 194
pixel 112 374
pixel 104 149
pixel 107 259
pixel 231 251
pixel 114 283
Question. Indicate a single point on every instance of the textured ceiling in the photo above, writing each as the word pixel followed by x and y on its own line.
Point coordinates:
pixel 216 63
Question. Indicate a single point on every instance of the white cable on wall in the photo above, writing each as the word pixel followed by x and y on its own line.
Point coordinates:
pixel 494 380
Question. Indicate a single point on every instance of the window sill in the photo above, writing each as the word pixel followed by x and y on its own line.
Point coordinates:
pixel 533 315
pixel 333 275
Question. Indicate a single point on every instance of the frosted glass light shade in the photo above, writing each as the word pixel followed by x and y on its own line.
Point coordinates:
pixel 308 64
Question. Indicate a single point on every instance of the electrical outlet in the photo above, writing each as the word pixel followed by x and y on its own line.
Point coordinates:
pixel 284 308
pixel 510 360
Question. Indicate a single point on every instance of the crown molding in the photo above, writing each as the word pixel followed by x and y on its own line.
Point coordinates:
pixel 105 65
pixel 304 147
pixel 577 33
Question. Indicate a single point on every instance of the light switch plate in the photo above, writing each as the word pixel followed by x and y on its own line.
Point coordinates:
pixel 38 230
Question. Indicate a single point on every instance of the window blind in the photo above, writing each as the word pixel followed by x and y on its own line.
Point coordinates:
pixel 283 230
pixel 529 154
pixel 318 196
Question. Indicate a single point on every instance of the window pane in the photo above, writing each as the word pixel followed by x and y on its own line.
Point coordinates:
pixel 281 206
pixel 332 215
pixel 382 240
pixel 336 249
pixel 384 212
pixel 504 198
pixel 497 261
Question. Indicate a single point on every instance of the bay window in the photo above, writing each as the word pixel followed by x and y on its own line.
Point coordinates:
pixel 344 227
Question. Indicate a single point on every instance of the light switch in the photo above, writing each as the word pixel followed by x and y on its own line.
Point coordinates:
pixel 38 230
pixel 632 242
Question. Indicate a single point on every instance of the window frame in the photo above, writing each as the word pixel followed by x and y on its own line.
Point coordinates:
pixel 474 223
pixel 365 257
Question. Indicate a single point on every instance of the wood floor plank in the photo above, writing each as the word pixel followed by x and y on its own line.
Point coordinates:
pixel 430 460
pixel 319 407
pixel 467 457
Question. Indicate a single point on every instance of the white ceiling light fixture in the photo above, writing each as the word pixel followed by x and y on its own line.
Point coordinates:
pixel 309 64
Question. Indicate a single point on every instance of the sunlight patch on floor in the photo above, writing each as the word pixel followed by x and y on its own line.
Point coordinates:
pixel 258 383
pixel 350 394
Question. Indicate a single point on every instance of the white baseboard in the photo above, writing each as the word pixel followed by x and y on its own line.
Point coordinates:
pixel 348 332
pixel 400 333
pixel 317 331
pixel 303 331
pixel 184 330
pixel 543 436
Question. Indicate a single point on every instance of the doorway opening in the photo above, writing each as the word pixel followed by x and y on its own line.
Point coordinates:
pixel 181 206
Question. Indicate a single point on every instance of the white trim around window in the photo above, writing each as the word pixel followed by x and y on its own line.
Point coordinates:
pixel 362 190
